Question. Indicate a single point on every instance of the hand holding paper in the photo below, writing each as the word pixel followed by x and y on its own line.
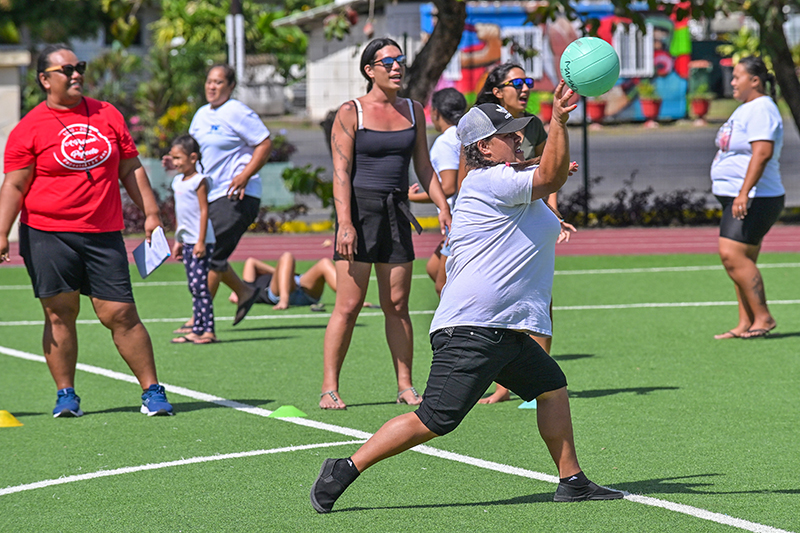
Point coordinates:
pixel 150 255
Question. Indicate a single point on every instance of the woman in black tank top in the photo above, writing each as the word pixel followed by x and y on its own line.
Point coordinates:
pixel 373 140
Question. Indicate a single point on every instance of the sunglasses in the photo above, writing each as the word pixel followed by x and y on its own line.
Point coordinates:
pixel 69 70
pixel 517 83
pixel 387 62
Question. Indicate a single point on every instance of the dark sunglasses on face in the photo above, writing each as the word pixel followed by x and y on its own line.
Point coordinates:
pixel 517 83
pixel 69 70
pixel 387 62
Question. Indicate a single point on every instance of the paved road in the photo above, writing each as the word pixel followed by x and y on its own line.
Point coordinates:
pixel 672 157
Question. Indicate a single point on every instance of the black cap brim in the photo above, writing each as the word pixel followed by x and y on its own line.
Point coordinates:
pixel 515 125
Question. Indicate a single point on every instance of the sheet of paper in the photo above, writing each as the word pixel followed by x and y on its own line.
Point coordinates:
pixel 149 256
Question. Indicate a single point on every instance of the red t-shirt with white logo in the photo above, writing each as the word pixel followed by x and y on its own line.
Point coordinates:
pixel 62 145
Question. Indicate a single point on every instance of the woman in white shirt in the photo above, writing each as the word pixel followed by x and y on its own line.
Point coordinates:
pixel 480 332
pixel 746 179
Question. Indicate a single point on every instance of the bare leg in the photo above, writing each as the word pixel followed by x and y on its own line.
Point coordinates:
pixel 282 284
pixel 352 279
pixel 60 337
pixel 555 427
pixel 232 280
pixel 130 337
pixel 395 436
pixel 394 287
pixel 313 281
pixel 441 276
pixel 432 267
pixel 739 260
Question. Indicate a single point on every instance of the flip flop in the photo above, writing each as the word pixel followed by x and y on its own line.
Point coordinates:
pixel 244 308
pixel 184 329
pixel 182 340
pixel 333 394
pixel 727 335
pixel 400 399
pixel 757 333
pixel 200 340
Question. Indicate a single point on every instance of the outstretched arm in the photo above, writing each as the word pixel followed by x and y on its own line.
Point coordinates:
pixel 553 170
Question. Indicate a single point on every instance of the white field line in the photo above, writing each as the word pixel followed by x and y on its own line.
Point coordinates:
pixel 156 466
pixel 557 273
pixel 427 450
pixel 600 307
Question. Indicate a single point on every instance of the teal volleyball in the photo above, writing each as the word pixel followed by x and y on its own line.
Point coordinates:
pixel 590 66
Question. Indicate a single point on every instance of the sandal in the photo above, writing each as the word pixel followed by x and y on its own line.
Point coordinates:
pixel 727 335
pixel 244 308
pixel 400 399
pixel 333 394
pixel 184 329
pixel 757 333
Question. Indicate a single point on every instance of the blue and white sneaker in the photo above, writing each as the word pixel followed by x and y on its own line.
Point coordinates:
pixel 68 404
pixel 154 402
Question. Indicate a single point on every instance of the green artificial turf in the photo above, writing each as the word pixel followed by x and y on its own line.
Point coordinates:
pixel 659 409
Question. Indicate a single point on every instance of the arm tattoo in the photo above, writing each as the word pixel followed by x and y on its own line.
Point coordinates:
pixel 346 106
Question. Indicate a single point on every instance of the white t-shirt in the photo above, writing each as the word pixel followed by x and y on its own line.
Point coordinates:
pixel 445 154
pixel 187 209
pixel 500 273
pixel 757 120
pixel 227 136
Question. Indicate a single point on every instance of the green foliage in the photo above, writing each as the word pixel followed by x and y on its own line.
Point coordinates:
pixel 742 44
pixel 647 91
pixel 287 43
pixel 337 26
pixel 304 180
pixel 702 91
pixel 631 207
pixel 112 77
pixel 50 21
pixel 282 149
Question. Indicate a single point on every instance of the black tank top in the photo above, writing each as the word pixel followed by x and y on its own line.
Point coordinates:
pixel 382 157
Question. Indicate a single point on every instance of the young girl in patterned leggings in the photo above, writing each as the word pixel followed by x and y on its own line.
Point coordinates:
pixel 194 238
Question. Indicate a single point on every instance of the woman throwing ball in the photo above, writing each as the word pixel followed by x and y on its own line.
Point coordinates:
pixel 492 301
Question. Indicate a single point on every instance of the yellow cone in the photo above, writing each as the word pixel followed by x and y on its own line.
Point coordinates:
pixel 7 420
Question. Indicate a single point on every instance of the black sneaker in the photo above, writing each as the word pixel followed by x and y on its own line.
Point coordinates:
pixel 327 488
pixel 592 491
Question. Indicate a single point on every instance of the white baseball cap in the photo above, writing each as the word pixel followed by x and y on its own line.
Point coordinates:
pixel 485 120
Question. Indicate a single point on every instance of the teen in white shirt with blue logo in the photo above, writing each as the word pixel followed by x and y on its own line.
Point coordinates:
pixel 746 179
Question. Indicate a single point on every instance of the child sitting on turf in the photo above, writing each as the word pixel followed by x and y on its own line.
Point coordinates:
pixel 194 238
pixel 282 286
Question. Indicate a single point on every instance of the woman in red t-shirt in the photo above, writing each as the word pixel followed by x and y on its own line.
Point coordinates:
pixel 63 163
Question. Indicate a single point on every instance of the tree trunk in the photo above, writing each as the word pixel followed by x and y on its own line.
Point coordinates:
pixel 422 75
pixel 773 39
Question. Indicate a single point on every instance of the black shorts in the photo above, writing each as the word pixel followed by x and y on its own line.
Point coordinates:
pixel 381 236
pixel 261 285
pixel 761 215
pixel 96 264
pixel 230 219
pixel 467 359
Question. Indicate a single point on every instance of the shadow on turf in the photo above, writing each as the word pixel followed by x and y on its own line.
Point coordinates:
pixel 519 500
pixel 288 326
pixel 572 356
pixel 599 393
pixel 185 407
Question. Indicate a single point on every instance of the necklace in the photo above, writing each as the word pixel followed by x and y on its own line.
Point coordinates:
pixel 86 134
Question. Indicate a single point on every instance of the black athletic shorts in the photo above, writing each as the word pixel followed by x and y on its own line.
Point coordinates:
pixel 762 213
pixel 96 264
pixel 230 219
pixel 261 284
pixel 383 231
pixel 467 359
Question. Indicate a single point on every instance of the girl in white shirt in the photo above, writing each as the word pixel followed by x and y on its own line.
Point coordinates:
pixel 194 238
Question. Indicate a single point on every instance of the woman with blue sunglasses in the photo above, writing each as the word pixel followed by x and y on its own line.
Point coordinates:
pixel 373 140
pixel 508 86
